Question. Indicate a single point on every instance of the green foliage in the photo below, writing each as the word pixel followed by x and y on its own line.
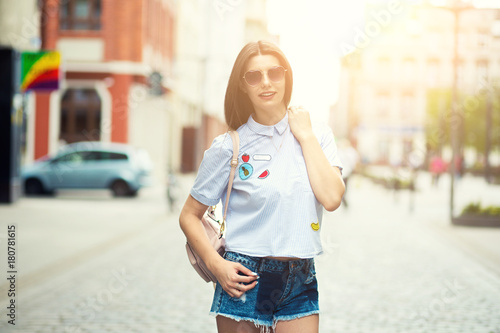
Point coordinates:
pixel 492 210
pixel 438 118
pixel 473 116
pixel 475 108
pixel 475 208
pixel 472 208
pixel 474 111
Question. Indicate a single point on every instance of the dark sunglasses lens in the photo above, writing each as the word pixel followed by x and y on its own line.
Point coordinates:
pixel 276 74
pixel 253 77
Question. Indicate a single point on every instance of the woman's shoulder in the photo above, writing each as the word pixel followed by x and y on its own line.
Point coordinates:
pixel 321 130
pixel 223 144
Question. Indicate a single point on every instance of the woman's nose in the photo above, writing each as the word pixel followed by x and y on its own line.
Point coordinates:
pixel 265 80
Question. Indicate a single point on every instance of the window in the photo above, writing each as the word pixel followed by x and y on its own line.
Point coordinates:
pixel 409 69
pixel 103 156
pixel 113 156
pixel 383 105
pixel 407 106
pixel 80 115
pixel 384 67
pixel 433 70
pixel 91 156
pixel 483 39
pixel 80 15
pixel 75 157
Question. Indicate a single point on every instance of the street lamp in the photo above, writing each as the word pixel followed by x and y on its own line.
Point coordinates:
pixel 455 119
pixel 495 31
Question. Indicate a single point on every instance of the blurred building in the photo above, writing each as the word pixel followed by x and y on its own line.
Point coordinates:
pixel 20 30
pixel 117 61
pixel 20 25
pixel 209 36
pixel 398 58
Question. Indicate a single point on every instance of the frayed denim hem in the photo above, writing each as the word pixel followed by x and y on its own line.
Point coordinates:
pixel 263 326
pixel 295 316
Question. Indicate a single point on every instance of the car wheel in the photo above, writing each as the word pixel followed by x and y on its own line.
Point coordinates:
pixel 132 193
pixel 33 187
pixel 120 188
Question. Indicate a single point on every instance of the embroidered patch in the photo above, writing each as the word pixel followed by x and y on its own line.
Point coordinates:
pixel 315 226
pixel 245 171
pixel 261 157
pixel 264 174
pixel 245 158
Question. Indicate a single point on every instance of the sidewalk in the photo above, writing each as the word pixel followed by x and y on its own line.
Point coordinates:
pixel 385 269
pixel 431 207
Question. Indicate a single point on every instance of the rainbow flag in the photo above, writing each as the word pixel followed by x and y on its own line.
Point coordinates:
pixel 40 70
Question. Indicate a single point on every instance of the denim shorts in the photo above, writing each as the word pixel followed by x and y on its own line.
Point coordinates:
pixel 286 290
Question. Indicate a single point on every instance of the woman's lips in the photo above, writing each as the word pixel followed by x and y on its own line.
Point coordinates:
pixel 267 95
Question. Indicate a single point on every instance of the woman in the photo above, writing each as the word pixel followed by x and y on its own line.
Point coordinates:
pixel 287 173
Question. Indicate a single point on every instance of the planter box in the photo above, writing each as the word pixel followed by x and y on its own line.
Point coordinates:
pixel 477 221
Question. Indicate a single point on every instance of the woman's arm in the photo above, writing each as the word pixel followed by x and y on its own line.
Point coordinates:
pixel 225 271
pixel 326 181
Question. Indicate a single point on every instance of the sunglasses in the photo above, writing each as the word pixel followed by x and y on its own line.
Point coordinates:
pixel 275 74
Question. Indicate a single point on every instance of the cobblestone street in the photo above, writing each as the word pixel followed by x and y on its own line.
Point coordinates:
pixel 385 269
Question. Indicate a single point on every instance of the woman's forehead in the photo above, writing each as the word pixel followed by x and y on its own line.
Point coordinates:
pixel 262 62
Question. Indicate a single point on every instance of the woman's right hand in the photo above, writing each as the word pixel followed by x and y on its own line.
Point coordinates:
pixel 234 278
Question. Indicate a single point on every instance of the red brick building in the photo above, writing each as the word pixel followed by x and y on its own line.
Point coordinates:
pixel 113 53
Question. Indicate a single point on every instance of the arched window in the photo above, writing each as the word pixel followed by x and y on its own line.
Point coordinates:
pixel 80 116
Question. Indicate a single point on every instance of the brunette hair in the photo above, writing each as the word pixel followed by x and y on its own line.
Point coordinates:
pixel 237 104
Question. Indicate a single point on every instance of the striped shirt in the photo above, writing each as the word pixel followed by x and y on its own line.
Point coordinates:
pixel 272 209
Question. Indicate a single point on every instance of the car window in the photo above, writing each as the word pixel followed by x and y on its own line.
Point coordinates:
pixel 117 156
pixel 91 156
pixel 75 157
pixel 113 156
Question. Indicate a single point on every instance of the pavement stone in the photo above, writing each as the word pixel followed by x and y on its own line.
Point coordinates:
pixel 385 269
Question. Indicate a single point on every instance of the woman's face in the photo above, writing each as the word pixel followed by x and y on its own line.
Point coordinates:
pixel 267 95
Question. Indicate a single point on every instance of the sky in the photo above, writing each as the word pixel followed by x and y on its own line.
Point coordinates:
pixel 312 33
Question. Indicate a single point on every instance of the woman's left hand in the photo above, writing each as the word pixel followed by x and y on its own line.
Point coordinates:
pixel 326 181
pixel 300 122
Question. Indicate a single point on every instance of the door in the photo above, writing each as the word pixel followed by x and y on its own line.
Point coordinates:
pixel 80 115
pixel 67 171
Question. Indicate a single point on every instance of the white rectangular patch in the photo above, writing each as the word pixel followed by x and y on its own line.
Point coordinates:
pixel 261 157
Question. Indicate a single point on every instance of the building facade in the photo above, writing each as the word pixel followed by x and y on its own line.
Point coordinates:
pixel 210 35
pixel 116 61
pixel 400 57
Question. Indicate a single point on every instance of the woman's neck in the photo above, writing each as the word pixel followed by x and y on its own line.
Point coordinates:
pixel 269 118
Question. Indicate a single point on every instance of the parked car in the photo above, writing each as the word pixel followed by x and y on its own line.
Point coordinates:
pixel 90 165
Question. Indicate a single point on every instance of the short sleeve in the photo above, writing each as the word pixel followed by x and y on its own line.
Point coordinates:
pixel 327 142
pixel 213 173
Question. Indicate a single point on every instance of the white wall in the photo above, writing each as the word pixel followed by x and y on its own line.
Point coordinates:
pixel 20 24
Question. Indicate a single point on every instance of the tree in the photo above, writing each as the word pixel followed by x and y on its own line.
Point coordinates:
pixel 437 129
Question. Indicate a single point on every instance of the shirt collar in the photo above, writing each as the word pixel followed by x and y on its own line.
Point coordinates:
pixel 268 130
